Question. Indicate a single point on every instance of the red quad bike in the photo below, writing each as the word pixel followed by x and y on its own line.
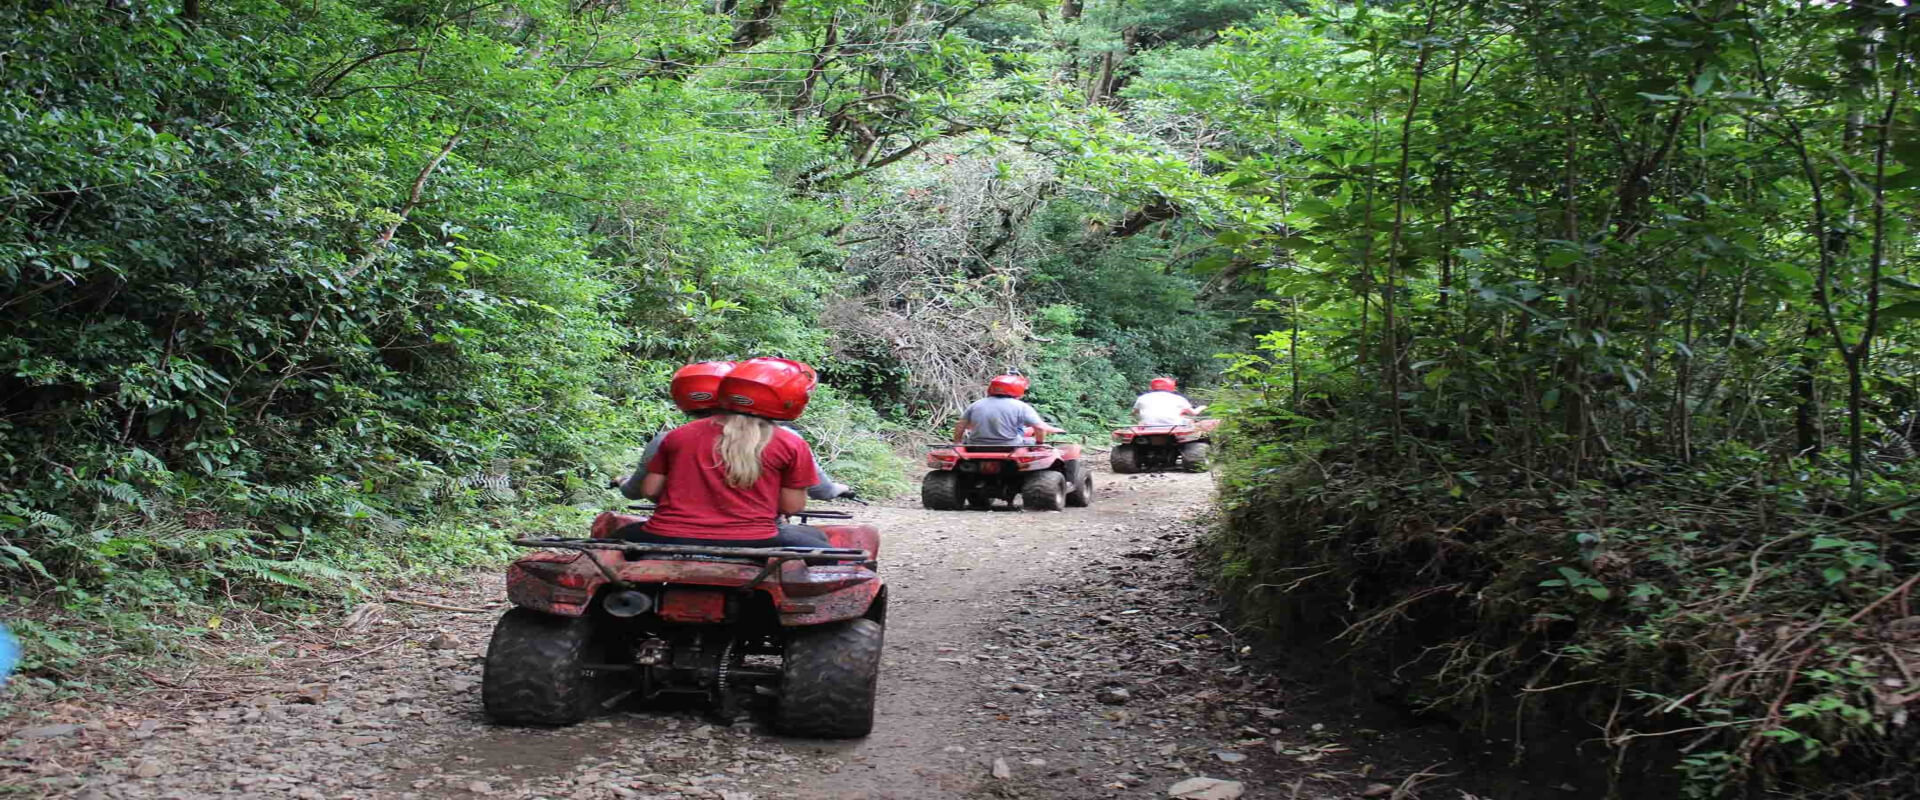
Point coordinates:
pixel 1146 448
pixel 1045 477
pixel 599 620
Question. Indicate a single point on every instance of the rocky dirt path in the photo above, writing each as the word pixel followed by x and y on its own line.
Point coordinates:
pixel 1029 655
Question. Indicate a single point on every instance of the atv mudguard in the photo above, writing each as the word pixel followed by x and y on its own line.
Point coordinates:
pixel 565 583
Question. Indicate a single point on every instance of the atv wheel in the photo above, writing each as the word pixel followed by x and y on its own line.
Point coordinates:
pixel 829 679
pixel 940 491
pixel 1194 455
pixel 1125 459
pixel 534 672
pixel 1080 492
pixel 1044 491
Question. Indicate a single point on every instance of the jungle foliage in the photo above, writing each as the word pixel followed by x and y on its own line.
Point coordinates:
pixel 1589 410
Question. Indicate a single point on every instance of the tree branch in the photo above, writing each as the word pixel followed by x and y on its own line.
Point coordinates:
pixel 413 201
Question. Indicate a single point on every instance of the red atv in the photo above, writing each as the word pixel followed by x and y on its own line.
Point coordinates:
pixel 1145 448
pixel 601 620
pixel 1045 477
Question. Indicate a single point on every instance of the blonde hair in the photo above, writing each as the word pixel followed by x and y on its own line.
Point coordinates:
pixel 742 439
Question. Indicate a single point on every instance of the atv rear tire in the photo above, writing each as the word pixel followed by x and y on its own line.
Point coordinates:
pixel 534 671
pixel 940 491
pixel 1044 491
pixel 1194 456
pixel 829 679
pixel 1125 459
pixel 1080 491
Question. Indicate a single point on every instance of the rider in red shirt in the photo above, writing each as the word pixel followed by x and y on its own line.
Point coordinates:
pixel 727 478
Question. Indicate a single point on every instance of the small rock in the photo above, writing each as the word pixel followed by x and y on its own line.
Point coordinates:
pixel 1114 696
pixel 1206 789
pixel 1001 770
pixel 445 641
pixel 482 787
pixel 703 732
pixel 1377 790
pixel 1229 757
pixel 953 748
pixel 1024 687
pixel 148 768
pixel 48 732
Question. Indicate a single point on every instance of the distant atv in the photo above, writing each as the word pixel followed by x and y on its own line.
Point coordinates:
pixel 1149 448
pixel 1045 477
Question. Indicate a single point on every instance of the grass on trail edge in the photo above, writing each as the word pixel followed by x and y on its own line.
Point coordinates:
pixel 1688 630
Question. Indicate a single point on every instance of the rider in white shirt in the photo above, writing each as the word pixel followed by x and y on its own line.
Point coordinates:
pixel 1163 405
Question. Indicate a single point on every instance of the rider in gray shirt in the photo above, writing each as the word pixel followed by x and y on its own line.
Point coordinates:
pixel 1002 418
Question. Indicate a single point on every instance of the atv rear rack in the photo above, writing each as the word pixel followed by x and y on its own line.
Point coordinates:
pixel 774 556
pixel 629 548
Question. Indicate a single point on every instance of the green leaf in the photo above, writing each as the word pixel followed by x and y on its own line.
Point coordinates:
pixel 1704 82
pixel 1907 310
pixel 1599 592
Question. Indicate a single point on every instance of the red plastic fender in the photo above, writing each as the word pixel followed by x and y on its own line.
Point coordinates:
pixel 858 537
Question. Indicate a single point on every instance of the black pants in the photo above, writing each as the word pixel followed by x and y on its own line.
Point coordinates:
pixel 788 536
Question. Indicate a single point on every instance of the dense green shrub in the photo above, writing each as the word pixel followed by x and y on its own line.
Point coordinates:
pixel 282 284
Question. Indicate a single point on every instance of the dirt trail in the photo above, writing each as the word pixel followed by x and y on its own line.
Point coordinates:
pixel 1062 654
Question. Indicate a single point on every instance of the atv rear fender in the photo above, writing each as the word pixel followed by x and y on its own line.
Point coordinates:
pixel 566 583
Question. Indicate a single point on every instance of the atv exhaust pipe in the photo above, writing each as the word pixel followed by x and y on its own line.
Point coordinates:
pixel 627 603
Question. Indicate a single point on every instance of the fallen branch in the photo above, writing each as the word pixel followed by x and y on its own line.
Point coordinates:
pixel 391 598
pixel 1897 591
pixel 365 653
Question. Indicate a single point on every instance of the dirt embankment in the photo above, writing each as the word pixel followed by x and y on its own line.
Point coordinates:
pixel 1065 654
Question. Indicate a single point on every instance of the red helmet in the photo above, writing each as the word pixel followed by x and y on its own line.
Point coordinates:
pixel 1008 386
pixel 696 387
pixel 774 388
pixel 1163 384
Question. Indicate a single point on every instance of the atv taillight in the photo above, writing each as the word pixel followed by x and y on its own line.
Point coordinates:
pixel 942 458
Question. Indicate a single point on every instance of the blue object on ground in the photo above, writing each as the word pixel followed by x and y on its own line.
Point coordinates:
pixel 9 653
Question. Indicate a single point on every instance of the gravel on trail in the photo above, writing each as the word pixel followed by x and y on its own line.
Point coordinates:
pixel 1029 655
